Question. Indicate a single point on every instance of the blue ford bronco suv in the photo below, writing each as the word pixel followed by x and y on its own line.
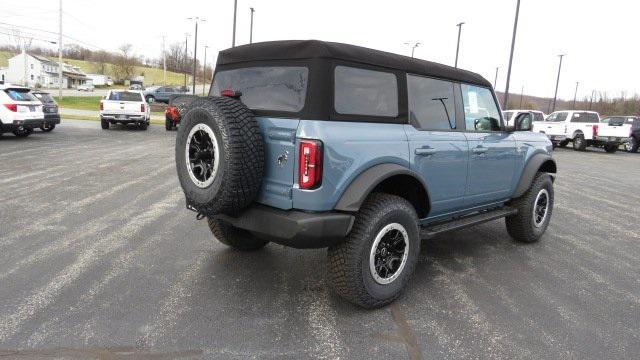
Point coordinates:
pixel 314 144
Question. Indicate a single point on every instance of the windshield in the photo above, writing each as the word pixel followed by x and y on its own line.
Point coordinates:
pixel 557 116
pixel 45 98
pixel 20 95
pixel 125 96
pixel 272 88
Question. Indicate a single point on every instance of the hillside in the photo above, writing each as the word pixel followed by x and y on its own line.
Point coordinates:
pixel 152 76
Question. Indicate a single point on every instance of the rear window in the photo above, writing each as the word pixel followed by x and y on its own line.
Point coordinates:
pixel 270 88
pixel 365 92
pixel 558 116
pixel 45 98
pixel 125 96
pixel 20 95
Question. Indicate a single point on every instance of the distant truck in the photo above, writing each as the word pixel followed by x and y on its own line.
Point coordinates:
pixel 125 107
pixel 50 110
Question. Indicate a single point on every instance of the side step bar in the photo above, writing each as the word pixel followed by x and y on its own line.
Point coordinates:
pixel 429 231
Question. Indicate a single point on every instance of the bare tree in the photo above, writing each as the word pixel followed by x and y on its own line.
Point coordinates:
pixel 125 63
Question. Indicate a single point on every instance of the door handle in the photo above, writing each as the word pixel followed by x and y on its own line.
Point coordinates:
pixel 425 151
pixel 479 150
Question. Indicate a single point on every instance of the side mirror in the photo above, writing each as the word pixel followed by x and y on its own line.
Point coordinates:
pixel 523 122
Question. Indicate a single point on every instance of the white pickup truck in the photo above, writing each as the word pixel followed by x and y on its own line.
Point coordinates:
pixel 125 107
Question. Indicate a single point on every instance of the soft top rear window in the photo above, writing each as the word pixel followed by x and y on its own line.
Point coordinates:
pixel 125 96
pixel 20 95
pixel 268 88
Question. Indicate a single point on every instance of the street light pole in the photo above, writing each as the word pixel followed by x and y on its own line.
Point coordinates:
pixel 204 70
pixel 521 95
pixel 413 46
pixel 575 95
pixel 184 60
pixel 251 27
pixel 513 44
pixel 196 19
pixel 235 11
pixel 60 54
pixel 555 96
pixel 458 46
pixel 164 61
pixel 593 94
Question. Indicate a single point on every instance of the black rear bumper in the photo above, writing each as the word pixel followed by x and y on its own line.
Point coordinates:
pixel 18 124
pixel 298 229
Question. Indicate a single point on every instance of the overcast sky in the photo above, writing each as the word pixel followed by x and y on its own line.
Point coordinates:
pixel 600 38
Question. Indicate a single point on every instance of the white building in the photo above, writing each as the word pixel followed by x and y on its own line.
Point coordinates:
pixel 100 80
pixel 42 72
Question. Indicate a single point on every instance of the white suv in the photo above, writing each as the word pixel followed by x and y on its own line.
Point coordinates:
pixel 20 111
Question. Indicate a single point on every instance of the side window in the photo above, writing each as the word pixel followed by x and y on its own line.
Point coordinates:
pixel 558 116
pixel 579 117
pixel 365 92
pixel 592 118
pixel 480 109
pixel 538 117
pixel 431 103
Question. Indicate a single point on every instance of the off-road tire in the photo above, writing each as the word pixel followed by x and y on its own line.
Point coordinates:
pixel 104 124
pixel 349 274
pixel 633 145
pixel 168 124
pixel 521 226
pixel 23 133
pixel 611 148
pixel 579 143
pixel 143 125
pixel 47 128
pixel 241 156
pixel 238 239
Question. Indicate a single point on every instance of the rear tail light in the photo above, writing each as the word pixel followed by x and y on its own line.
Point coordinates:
pixel 595 130
pixel 231 93
pixel 141 107
pixel 101 105
pixel 310 164
pixel 11 107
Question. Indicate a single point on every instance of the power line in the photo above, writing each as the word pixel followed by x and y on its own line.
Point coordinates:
pixel 55 33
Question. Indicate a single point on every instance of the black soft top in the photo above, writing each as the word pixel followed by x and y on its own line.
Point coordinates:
pixel 314 49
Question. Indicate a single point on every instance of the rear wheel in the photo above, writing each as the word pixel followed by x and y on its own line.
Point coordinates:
pixel 611 148
pixel 23 133
pixel 233 237
pixel 47 127
pixel 143 125
pixel 104 124
pixel 150 99
pixel 534 211
pixel 168 124
pixel 632 145
pixel 374 264
pixel 579 143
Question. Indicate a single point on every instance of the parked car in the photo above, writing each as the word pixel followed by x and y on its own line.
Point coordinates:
pixel 358 150
pixel 21 111
pixel 50 110
pixel 510 115
pixel 630 124
pixel 578 127
pixel 125 107
pixel 86 87
pixel 173 112
pixel 136 87
pixel 161 93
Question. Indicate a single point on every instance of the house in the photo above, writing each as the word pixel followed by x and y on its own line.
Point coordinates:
pixel 100 80
pixel 42 72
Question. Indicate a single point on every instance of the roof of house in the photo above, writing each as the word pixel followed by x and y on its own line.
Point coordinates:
pixel 314 49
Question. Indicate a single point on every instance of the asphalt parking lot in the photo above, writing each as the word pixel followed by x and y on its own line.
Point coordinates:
pixel 99 258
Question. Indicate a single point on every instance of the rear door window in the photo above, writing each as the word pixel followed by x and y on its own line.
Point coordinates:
pixel 270 88
pixel 592 117
pixel 365 92
pixel 431 103
pixel 480 109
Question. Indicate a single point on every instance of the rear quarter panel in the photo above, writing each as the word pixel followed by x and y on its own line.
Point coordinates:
pixel 350 148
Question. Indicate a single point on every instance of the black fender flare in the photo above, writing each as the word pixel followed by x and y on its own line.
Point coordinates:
pixel 356 193
pixel 531 169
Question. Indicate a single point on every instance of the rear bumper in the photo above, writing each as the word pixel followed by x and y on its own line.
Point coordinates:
pixel 298 229
pixel 612 139
pixel 20 124
pixel 123 118
pixel 52 119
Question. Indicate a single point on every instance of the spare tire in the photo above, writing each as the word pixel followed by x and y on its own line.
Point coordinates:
pixel 219 156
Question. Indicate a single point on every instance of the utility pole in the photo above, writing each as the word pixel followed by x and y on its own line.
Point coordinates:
pixel 235 12
pixel 204 70
pixel 521 95
pixel 575 95
pixel 164 61
pixel 513 44
pixel 195 52
pixel 413 46
pixel 184 60
pixel 251 27
pixel 60 53
pixel 495 80
pixel 458 46
pixel 555 96
pixel 593 94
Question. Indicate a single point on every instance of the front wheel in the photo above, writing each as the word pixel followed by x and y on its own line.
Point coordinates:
pixel 374 264
pixel 23 133
pixel 534 211
pixel 611 148
pixel 233 237
pixel 143 125
pixel 150 99
pixel 579 143
pixel 632 145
